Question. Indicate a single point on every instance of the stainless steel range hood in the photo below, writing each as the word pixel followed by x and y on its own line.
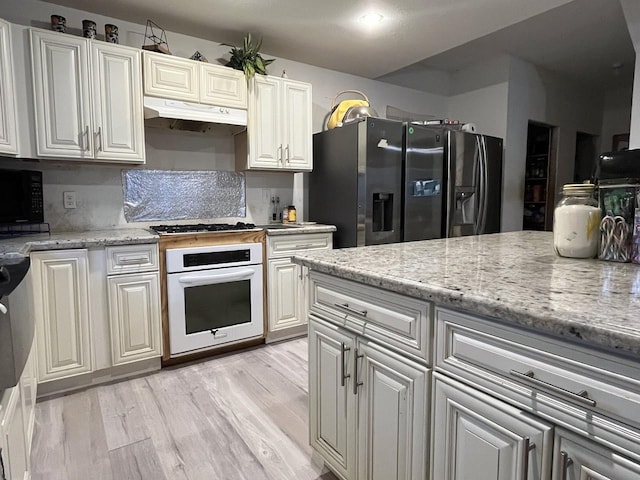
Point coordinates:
pixel 189 116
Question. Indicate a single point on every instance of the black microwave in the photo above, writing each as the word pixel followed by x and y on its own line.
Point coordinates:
pixel 21 197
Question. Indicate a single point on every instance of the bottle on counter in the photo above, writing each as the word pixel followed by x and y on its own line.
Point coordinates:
pixel 293 215
pixel 576 222
pixel 285 215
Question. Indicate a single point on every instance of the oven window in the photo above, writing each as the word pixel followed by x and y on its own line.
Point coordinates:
pixel 209 307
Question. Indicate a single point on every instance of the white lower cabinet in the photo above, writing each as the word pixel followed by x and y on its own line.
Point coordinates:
pixel 478 437
pixel 63 334
pixel 288 283
pixel 134 312
pixel 577 458
pixel 97 309
pixel 14 462
pixel 368 406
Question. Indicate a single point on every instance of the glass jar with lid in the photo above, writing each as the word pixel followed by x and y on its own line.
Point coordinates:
pixel 576 222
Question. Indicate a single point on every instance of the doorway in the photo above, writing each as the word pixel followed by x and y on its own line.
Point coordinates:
pixel 586 155
pixel 539 177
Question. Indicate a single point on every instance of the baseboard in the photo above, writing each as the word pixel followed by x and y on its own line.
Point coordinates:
pixel 99 377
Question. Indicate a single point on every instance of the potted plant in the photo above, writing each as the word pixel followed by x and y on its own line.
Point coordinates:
pixel 248 58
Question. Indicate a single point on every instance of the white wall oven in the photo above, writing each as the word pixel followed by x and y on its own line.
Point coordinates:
pixel 214 295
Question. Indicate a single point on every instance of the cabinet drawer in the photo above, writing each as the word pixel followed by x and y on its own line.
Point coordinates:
pixel 402 323
pixel 547 374
pixel 287 245
pixel 132 258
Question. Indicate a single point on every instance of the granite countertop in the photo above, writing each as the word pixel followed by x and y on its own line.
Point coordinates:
pixel 292 229
pixel 515 277
pixel 18 247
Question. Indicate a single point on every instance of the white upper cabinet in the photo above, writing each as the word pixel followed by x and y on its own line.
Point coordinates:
pixel 279 131
pixel 88 99
pixel 117 116
pixel 191 81
pixel 297 131
pixel 8 120
pixel 171 77
pixel 222 86
pixel 61 88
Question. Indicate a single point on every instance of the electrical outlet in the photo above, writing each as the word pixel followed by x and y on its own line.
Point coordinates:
pixel 69 199
pixel 266 195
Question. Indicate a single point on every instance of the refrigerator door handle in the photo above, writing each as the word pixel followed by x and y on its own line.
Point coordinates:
pixel 484 182
pixel 477 176
pixel 481 187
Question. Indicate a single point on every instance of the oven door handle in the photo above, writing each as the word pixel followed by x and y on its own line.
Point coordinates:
pixel 238 275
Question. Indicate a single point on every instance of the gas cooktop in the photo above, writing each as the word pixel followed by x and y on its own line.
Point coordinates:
pixel 201 227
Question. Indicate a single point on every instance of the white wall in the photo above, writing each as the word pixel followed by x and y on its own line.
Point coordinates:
pixel 99 187
pixel 631 10
pixel 539 95
pixel 616 115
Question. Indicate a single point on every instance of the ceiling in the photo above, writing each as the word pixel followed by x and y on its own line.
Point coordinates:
pixel 579 38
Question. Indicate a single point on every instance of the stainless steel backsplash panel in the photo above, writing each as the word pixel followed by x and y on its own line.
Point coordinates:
pixel 151 195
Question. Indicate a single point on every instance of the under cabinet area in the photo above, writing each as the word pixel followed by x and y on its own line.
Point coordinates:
pixel 361 386
pixel 88 99
pixel 8 114
pixel 279 131
pixel 98 314
pixel 287 282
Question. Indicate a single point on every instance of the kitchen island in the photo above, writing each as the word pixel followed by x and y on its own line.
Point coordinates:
pixel 515 277
pixel 486 357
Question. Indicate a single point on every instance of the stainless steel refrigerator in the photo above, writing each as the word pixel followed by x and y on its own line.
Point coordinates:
pixel 382 181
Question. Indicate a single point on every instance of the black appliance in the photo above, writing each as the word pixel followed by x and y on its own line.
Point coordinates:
pixel 17 323
pixel 201 228
pixel 21 197
pixel 618 167
pixel 382 181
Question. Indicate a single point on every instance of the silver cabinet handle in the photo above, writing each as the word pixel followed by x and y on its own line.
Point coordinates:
pixel 99 137
pixel 280 153
pixel 566 463
pixel 287 151
pixel 343 374
pixel 349 309
pixel 356 384
pixel 86 137
pixel 582 397
pixel 528 447
pixel 133 260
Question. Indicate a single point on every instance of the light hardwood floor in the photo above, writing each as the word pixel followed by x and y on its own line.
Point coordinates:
pixel 241 416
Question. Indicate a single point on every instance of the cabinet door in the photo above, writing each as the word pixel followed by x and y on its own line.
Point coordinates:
pixel 576 458
pixel 61 89
pixel 332 404
pixel 171 77
pixel 63 336
pixel 476 436
pixel 393 419
pixel 15 462
pixel 134 315
pixel 265 143
pixel 297 128
pixel 28 391
pixel 118 120
pixel 285 302
pixel 222 86
pixel 8 120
